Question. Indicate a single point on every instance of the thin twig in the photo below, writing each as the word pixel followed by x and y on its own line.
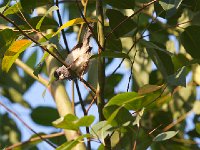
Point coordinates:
pixel 88 85
pixel 73 97
pixel 34 140
pixel 62 31
pixel 84 110
pixel 177 121
pixel 33 40
pixel 135 142
pixel 131 74
pixel 155 129
pixel 45 49
pixel 93 100
pixel 26 125
pixel 80 98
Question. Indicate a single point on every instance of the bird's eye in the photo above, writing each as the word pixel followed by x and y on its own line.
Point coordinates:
pixel 56 75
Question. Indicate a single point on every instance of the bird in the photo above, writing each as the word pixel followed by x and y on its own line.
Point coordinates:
pixel 77 60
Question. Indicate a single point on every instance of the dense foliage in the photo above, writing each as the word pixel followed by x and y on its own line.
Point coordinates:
pixel 157 43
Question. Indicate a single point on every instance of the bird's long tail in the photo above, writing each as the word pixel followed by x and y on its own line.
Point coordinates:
pixel 88 34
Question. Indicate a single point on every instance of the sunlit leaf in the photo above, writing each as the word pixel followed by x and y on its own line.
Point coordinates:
pixel 7 37
pixel 148 89
pixel 70 144
pixel 53 8
pixel 101 130
pixel 13 53
pixel 73 22
pixel 72 122
pixel 165 136
pixel 13 9
pixel 124 98
pixel 138 118
pixel 196 107
pixel 117 116
pixel 4 7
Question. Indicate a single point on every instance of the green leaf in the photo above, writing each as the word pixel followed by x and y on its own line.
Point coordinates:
pixel 109 54
pixel 165 136
pixel 197 127
pixel 190 39
pixel 170 6
pixel 2 9
pixel 38 69
pixel 160 57
pixel 13 53
pixel 134 101
pixel 117 116
pixel 148 89
pixel 196 107
pixel 101 130
pixel 73 22
pixel 44 115
pixel 113 115
pixel 124 99
pixel 195 19
pixel 178 79
pixel 70 144
pixel 53 8
pixel 13 9
pixel 7 37
pixel 122 4
pixel 112 43
pixel 30 5
pixel 151 45
pixel 115 18
pixel 71 122
pixel 47 23
pixel 138 118
pixel 112 81
pixel 193 5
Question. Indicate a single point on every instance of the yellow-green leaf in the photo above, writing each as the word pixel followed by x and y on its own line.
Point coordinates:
pixel 53 8
pixel 73 22
pixel 13 52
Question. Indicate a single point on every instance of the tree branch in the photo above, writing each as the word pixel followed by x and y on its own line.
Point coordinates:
pixel 33 40
pixel 29 71
pixel 62 31
pixel 26 125
pixel 34 140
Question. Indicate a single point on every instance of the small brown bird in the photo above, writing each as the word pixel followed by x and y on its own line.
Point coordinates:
pixel 77 60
